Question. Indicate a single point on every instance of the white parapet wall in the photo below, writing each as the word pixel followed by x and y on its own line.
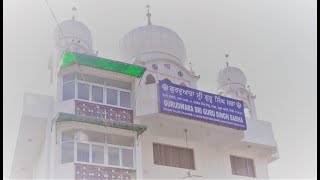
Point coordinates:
pixel 147 99
pixel 36 105
pixel 259 132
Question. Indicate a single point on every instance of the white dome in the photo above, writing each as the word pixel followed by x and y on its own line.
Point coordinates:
pixel 74 30
pixel 152 42
pixel 232 75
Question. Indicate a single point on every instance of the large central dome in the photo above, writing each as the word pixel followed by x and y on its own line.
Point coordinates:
pixel 152 42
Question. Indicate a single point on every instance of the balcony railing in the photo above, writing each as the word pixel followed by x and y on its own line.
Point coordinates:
pixel 103 111
pixel 84 171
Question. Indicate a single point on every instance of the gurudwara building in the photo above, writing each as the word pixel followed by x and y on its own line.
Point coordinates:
pixel 138 117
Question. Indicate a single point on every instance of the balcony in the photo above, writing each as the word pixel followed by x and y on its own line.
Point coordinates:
pixel 94 110
pixel 84 171
pixel 98 114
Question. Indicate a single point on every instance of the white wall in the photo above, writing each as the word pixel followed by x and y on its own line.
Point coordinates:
pixel 172 74
pixel 147 99
pixel 212 160
pixel 209 161
pixel 37 105
pixel 39 167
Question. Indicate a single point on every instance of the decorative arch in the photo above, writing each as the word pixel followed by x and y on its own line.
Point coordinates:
pixel 167 80
pixel 150 79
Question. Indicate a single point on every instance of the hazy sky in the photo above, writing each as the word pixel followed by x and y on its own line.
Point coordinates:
pixel 272 41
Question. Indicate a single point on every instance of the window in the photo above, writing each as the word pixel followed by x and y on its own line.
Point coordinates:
pixel 98 148
pixel 173 156
pixel 242 166
pixel 95 137
pixel 97 94
pixel 96 89
pixel 127 157
pixel 112 96
pixel 68 90
pixel 67 152
pixel 103 81
pixel 118 84
pixel 82 136
pixel 83 91
pixel 150 79
pixel 68 136
pixel 119 140
pixel 90 78
pixel 83 152
pixel 98 154
pixel 125 99
pixel 113 156
pixel 91 136
pixel 69 77
pixel 67 147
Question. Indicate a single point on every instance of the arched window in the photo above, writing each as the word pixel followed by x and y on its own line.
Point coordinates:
pixel 167 80
pixel 183 84
pixel 150 79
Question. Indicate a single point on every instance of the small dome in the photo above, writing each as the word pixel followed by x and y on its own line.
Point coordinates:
pixel 76 30
pixel 152 42
pixel 231 75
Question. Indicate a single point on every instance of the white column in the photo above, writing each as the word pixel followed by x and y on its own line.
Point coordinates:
pixel 138 157
pixel 253 111
pixel 51 150
pixel 46 151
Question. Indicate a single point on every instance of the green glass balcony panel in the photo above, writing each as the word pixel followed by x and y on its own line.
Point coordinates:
pixel 70 58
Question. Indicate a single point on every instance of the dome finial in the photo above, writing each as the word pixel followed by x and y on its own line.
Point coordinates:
pixel 190 66
pixel 148 14
pixel 226 56
pixel 249 88
pixel 74 9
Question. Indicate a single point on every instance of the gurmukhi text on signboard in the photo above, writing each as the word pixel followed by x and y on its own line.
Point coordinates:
pixel 194 104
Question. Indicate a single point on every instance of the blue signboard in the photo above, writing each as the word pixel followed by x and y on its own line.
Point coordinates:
pixel 194 104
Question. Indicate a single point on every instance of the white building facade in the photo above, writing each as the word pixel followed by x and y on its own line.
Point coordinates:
pixel 103 118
